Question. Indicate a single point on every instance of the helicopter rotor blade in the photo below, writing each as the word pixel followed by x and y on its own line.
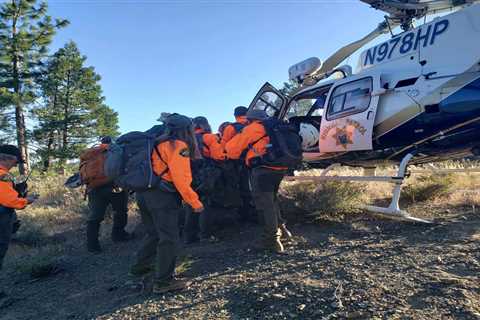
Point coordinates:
pixel 344 52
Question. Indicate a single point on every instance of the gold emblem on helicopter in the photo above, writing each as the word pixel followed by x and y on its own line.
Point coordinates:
pixel 343 136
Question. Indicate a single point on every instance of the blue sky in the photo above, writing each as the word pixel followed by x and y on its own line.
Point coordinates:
pixel 202 57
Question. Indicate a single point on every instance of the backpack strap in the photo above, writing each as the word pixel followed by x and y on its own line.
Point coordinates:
pixel 161 159
pixel 238 126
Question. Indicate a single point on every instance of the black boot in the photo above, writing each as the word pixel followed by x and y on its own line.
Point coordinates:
pixel 118 230
pixel 93 245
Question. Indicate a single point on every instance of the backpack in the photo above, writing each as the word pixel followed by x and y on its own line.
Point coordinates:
pixel 92 161
pixel 285 148
pixel 128 162
pixel 238 127
pixel 205 176
pixel 200 143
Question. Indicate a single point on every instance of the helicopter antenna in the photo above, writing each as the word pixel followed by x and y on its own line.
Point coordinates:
pixel 389 26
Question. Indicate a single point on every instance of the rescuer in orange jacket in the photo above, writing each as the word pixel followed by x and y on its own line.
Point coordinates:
pixel 237 172
pixel 208 142
pixel 265 181
pixel 99 198
pixel 9 198
pixel 160 207
pixel 235 128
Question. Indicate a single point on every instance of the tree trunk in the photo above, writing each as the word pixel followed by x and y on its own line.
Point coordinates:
pixel 19 115
pixel 47 161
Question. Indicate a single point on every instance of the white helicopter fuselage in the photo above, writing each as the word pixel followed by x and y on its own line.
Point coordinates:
pixel 411 75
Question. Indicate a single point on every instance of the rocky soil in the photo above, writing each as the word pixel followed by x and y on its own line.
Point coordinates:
pixel 361 267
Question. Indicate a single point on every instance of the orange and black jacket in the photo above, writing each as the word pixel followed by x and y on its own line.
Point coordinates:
pixel 212 148
pixel 175 167
pixel 253 138
pixel 9 198
pixel 229 132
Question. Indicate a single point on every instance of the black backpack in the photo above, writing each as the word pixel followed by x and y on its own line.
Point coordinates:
pixel 206 174
pixel 238 127
pixel 128 161
pixel 285 148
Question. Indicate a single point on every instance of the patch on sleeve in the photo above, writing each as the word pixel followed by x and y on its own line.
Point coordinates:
pixel 185 153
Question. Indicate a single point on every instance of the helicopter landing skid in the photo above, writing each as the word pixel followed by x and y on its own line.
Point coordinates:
pixel 393 210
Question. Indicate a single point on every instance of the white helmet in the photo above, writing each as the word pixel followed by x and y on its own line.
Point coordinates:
pixel 310 135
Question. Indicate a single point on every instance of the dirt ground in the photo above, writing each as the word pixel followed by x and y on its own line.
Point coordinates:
pixel 361 267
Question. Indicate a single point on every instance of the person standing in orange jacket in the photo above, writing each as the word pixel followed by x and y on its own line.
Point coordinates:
pixel 238 172
pixel 10 200
pixel 161 206
pixel 209 144
pixel 265 181
pixel 231 130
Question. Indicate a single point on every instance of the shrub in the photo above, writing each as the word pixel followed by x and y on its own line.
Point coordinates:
pixel 428 187
pixel 39 263
pixel 330 198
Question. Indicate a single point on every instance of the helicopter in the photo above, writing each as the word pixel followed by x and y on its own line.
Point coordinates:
pixel 416 94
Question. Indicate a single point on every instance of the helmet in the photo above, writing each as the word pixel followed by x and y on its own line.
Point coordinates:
pixel 12 151
pixel 240 111
pixel 177 121
pixel 310 135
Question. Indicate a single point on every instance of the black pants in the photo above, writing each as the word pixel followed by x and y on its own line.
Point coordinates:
pixel 100 198
pixel 159 211
pixel 198 224
pixel 265 184
pixel 7 218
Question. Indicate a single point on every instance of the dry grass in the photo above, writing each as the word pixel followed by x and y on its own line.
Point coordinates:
pixel 60 211
pixel 341 198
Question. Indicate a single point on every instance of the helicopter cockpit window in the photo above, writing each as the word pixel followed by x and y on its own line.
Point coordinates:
pixel 270 102
pixel 309 105
pixel 350 98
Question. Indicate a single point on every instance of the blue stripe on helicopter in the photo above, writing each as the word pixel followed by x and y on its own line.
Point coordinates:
pixel 457 108
pixel 404 44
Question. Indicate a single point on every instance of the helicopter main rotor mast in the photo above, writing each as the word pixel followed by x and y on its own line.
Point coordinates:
pixel 404 12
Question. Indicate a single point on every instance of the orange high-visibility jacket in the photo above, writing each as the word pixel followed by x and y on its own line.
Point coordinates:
pixel 8 196
pixel 212 148
pixel 230 131
pixel 176 157
pixel 253 137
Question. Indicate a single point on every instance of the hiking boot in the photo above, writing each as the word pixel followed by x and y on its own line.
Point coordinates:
pixel 122 236
pixel 274 245
pixel 139 271
pixel 285 234
pixel 174 285
pixel 277 246
pixel 93 245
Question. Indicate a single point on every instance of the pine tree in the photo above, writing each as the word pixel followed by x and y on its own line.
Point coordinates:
pixel 26 31
pixel 73 114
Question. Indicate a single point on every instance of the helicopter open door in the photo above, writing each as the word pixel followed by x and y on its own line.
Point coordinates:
pixel 349 116
pixel 269 99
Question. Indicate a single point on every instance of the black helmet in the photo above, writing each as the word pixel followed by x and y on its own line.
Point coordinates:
pixel 12 151
pixel 240 111
pixel 177 121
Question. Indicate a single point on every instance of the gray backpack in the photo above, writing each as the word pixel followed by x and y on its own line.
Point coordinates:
pixel 128 162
